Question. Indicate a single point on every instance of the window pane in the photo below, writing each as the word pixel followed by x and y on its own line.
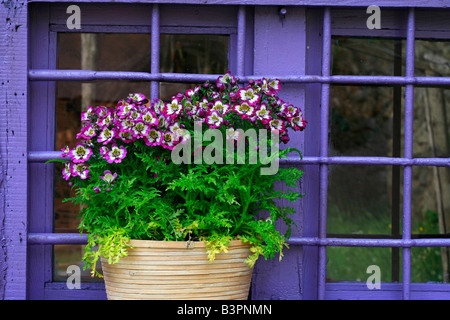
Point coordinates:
pixel 363 56
pixel 194 53
pixel 361 121
pixel 428 265
pixel 359 200
pixel 352 263
pixel 104 51
pixel 191 53
pixel 432 58
pixel 431 135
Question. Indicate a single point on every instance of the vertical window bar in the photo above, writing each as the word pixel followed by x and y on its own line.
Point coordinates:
pixel 407 178
pixel 241 40
pixel 323 169
pixel 154 90
pixel 396 153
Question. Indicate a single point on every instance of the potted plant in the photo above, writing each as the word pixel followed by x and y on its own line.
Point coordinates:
pixel 194 175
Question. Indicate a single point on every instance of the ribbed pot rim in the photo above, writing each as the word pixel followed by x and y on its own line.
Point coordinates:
pixel 178 244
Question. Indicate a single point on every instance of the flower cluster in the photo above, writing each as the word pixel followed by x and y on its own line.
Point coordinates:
pixel 107 133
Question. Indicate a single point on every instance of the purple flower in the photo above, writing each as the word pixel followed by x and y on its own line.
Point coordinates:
pixel 106 135
pixel 65 151
pixel 108 177
pixel 116 154
pixel 79 169
pixel 67 173
pixel 153 138
pixel 214 119
pixel 80 153
pixel 87 132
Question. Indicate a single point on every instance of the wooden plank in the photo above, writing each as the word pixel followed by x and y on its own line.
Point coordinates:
pixel 41 128
pixel 13 148
pixel 317 3
pixel 430 23
pixel 280 46
pixel 94 14
pixel 388 291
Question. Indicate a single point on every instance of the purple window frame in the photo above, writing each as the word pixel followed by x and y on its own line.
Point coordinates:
pixel 29 81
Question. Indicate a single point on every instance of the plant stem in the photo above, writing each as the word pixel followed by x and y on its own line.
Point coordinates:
pixel 245 198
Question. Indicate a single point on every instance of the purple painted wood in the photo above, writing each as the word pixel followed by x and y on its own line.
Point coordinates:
pixel 379 243
pixel 388 291
pixel 240 50
pixel 56 238
pixel 89 75
pixel 408 152
pixel 318 3
pixel 88 291
pixel 311 182
pixel 173 18
pixel 323 168
pixel 75 238
pixel 42 156
pixel 41 137
pixel 276 40
pixel 13 148
pixel 3 251
pixel 154 90
pixel 352 22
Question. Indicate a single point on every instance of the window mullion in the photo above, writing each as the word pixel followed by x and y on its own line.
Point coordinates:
pixel 241 26
pixel 155 34
pixel 408 152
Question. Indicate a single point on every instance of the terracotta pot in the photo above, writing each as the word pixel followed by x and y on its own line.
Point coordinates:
pixel 171 270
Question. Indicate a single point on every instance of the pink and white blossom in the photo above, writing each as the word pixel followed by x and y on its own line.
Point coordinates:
pixel 214 119
pixel 106 136
pixel 249 95
pixel 153 138
pixel 116 154
pixel 80 153
pixel 79 170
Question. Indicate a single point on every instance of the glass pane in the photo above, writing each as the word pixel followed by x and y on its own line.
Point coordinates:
pixel 431 58
pixel 191 53
pixel 363 56
pixel 431 135
pixel 104 51
pixel 428 265
pixel 430 202
pixel 361 121
pixel 359 200
pixel 352 263
pixel 194 53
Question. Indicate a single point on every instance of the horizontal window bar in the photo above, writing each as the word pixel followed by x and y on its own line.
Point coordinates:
pixel 387 236
pixel 89 75
pixel 388 291
pixel 57 238
pixel 75 238
pixel 43 156
pixel 440 162
pixel 144 29
pixel 350 242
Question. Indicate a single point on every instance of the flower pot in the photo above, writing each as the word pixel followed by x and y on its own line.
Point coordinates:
pixel 163 270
